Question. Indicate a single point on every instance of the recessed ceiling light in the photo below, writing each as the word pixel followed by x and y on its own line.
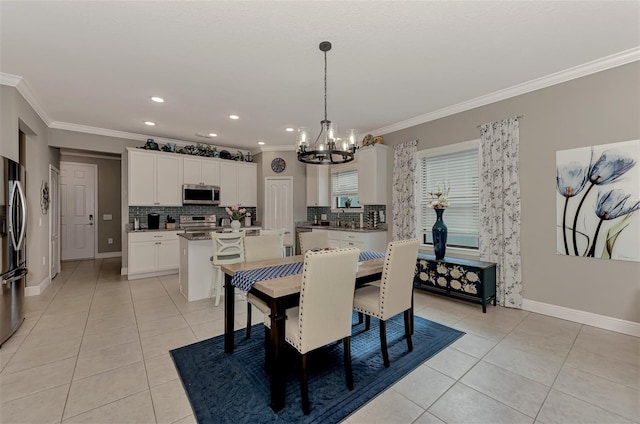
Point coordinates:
pixel 261 142
pixel 213 135
pixel 151 124
pixel 234 117
pixel 288 129
pixel 157 99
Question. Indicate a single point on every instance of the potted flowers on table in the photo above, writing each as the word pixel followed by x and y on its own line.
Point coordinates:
pixel 439 202
pixel 236 213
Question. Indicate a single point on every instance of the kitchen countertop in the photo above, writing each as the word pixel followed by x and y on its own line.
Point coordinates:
pixel 146 230
pixel 331 227
pixel 207 235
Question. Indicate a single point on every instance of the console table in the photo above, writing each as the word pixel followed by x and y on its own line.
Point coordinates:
pixel 461 278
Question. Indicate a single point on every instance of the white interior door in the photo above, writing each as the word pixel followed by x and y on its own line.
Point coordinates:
pixel 78 210
pixel 278 208
pixel 54 221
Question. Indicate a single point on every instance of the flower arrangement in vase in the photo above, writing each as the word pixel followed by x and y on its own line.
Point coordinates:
pixel 236 213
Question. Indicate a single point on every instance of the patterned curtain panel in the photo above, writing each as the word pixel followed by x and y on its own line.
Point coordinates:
pixel 403 189
pixel 500 207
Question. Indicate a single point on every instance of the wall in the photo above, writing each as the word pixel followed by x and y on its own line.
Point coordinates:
pixel 596 109
pixel 109 189
pixel 15 113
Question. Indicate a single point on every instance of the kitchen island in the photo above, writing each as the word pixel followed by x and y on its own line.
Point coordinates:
pixel 196 272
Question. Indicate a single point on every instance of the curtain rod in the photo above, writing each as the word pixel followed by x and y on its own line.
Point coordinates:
pixel 519 116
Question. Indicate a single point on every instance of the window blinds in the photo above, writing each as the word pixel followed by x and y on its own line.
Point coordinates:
pixel 458 171
pixel 344 183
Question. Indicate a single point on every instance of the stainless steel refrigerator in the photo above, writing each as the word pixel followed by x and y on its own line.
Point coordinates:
pixel 13 251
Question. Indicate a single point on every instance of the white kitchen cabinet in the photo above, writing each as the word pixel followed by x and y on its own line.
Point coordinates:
pixel 318 186
pixel 152 253
pixel 201 171
pixel 238 183
pixel 374 240
pixel 372 175
pixel 247 184
pixel 155 178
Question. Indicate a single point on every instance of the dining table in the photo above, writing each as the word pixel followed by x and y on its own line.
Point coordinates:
pixel 279 293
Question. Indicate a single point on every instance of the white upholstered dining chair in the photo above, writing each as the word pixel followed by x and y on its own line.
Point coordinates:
pixel 279 232
pixel 228 248
pixel 313 240
pixel 259 248
pixel 324 314
pixel 394 293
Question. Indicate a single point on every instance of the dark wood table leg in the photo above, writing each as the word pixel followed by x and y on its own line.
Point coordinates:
pixel 279 370
pixel 229 314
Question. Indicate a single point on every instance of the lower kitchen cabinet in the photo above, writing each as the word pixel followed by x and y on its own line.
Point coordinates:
pixel 152 253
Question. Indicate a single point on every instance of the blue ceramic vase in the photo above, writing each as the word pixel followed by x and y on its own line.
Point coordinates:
pixel 439 232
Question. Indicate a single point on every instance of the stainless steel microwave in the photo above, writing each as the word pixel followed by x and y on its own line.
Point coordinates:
pixel 196 194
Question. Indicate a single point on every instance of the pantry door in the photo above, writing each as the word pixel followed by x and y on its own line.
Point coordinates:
pixel 278 208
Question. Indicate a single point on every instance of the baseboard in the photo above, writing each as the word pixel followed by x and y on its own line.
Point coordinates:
pixel 151 274
pixel 40 288
pixel 124 271
pixel 108 255
pixel 608 323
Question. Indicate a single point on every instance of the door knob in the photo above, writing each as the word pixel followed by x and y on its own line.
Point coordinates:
pixel 90 219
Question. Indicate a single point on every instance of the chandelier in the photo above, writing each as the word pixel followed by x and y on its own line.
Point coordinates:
pixel 328 148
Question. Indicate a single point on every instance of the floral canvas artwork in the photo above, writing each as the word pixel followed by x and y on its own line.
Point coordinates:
pixel 598 201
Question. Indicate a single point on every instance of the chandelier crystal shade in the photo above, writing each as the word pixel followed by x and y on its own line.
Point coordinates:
pixel 328 148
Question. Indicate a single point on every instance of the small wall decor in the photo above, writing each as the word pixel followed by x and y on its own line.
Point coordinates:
pixel 597 201
pixel 44 197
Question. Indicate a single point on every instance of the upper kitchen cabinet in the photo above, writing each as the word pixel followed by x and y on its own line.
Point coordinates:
pixel 238 183
pixel 201 171
pixel 372 175
pixel 318 185
pixel 155 179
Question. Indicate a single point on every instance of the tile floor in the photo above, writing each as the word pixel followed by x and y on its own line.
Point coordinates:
pixel 94 349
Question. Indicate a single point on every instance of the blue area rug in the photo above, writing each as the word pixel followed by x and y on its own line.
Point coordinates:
pixel 234 388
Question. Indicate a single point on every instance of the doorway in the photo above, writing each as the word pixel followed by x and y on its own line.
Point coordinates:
pixel 278 206
pixel 78 210
pixel 54 221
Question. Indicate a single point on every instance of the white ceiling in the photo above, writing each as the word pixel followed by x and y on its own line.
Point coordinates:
pixel 95 64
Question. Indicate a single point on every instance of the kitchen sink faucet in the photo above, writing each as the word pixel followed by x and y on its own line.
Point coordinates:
pixel 339 212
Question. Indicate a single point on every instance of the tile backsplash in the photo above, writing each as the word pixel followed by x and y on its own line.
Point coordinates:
pixel 141 212
pixel 345 216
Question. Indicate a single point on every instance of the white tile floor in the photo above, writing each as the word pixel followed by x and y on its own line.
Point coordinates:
pixel 94 349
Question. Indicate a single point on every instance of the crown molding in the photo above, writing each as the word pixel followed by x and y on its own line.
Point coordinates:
pixel 25 90
pixel 598 65
pixel 9 79
pixel 281 148
pixel 126 135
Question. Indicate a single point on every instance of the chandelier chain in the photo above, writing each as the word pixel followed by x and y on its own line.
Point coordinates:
pixel 325 86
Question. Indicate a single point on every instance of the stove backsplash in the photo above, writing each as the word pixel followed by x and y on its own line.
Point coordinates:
pixel 141 212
